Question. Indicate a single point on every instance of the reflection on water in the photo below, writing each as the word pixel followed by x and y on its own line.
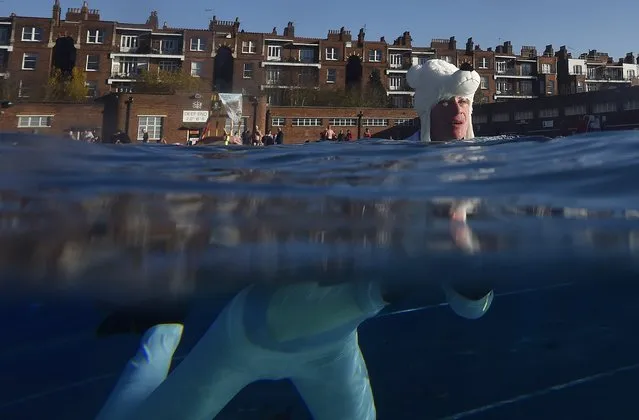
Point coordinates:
pixel 365 275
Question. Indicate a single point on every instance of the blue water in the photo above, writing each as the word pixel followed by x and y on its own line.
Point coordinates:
pixel 554 229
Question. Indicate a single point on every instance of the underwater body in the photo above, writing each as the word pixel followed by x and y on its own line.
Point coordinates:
pixel 144 231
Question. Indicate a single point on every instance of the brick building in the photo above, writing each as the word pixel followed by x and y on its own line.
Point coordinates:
pixel 270 69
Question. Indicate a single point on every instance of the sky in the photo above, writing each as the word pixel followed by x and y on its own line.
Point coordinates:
pixel 609 26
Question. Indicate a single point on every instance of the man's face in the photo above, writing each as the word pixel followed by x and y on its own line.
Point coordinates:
pixel 449 119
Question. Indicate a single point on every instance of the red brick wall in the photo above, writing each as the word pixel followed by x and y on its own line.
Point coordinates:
pixel 295 134
pixel 65 117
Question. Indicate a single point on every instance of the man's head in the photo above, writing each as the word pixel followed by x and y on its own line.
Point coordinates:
pixel 444 99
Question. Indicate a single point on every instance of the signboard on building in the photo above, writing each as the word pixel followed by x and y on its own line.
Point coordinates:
pixel 195 116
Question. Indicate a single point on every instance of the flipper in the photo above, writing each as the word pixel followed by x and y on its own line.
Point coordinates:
pixel 137 320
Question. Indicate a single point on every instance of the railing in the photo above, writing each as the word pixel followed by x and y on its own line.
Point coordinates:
pixel 513 92
pixel 516 72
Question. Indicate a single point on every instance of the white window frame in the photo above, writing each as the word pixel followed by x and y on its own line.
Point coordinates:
pixel 602 108
pixel 248 47
pixel 631 74
pixel 86 66
pixel 331 54
pixel 342 122
pixel 483 63
pixel 31 34
pixel 95 36
pixel 395 61
pixel 168 46
pixel 153 125
pixel 306 122
pixel 35 121
pixel 330 79
pixel 407 122
pixel 546 68
pixel 523 115
pixel 273 76
pixel 500 67
pixel 33 57
pixel 196 68
pixel 274 52
pixel 247 71
pixel 577 69
pixel 548 113
pixel 483 82
pixel 422 60
pixel 198 44
pixel 278 121
pixel 374 122
pixel 395 83
pixel 129 42
pixel 375 56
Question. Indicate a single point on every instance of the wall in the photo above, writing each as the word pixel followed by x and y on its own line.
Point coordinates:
pixel 65 117
pixel 298 134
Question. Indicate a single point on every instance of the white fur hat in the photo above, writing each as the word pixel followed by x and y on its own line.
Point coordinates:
pixel 438 80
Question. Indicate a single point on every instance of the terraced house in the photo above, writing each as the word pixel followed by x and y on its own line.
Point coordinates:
pixel 287 78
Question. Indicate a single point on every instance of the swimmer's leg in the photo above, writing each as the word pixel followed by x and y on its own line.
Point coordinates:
pixel 337 387
pixel 144 372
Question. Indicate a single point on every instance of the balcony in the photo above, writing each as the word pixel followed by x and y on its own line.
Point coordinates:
pixel 516 73
pixel 514 94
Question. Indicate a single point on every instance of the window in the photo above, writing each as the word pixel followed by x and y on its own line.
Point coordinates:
pixel 23 90
pixel 128 42
pixel 4 35
pixel 401 101
pixel 575 110
pixel 248 71
pixel 395 61
pixel 128 66
pixel 198 44
pixel 375 56
pixel 93 62
pixel 447 58
pixel 307 55
pixel 308 76
pixel 592 73
pixel 502 117
pixel 482 63
pixel 524 115
pixel 34 121
pixel 95 36
pixel 526 87
pixel 502 87
pixel 92 88
pixel 273 76
pixel 307 122
pixel 526 69
pixel 395 83
pixel 331 54
pixel 631 104
pixel 630 74
pixel 196 68
pixel 168 46
pixel 374 122
pixel 278 121
pixel 31 34
pixel 29 61
pixel 422 60
pixel 152 124
pixel 408 122
pixel 545 68
pixel 501 66
pixel 480 119
pixel 604 107
pixel 274 52
pixel 483 82
pixel 343 122
pixel 550 87
pixel 248 47
pixel 577 69
pixel 331 76
pixel 549 113
pixel 168 65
